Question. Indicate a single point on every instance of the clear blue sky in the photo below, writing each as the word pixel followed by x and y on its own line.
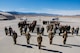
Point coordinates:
pixel 43 6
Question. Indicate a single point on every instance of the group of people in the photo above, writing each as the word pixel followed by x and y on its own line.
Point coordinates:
pixel 23 26
pixel 75 30
pixel 51 29
pixel 9 31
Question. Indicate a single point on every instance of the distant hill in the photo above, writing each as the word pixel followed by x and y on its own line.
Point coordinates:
pixel 6 16
pixel 32 13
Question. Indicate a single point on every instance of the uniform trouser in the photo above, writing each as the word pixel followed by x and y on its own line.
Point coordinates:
pixel 72 33
pixel 6 32
pixel 10 33
pixel 14 40
pixel 32 29
pixel 21 32
pixel 27 41
pixel 39 45
pixel 76 33
pixel 42 33
pixel 25 30
pixel 64 41
pixel 50 41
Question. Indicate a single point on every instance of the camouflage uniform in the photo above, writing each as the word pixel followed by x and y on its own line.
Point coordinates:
pixel 65 37
pixel 77 30
pixel 72 30
pixel 50 35
pixel 38 30
pixel 6 31
pixel 39 40
pixel 42 30
pixel 21 30
pixel 28 36
pixel 10 31
pixel 14 37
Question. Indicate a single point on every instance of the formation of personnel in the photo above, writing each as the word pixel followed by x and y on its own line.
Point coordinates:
pixel 23 26
pixel 51 29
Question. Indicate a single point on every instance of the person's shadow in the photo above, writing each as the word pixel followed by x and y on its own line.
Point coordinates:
pixel 51 50
pixel 62 45
pixel 73 45
pixel 25 45
pixel 37 45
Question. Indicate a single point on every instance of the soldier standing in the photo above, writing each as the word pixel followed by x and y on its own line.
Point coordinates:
pixel 21 30
pixel 30 27
pixel 6 30
pixel 47 28
pixel 42 30
pixel 28 36
pixel 18 24
pixel 65 37
pixel 72 30
pixel 38 30
pixel 39 40
pixel 14 37
pixel 10 30
pixel 51 27
pixel 77 30
pixel 50 35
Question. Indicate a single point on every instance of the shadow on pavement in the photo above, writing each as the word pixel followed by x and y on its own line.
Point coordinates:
pixel 74 45
pixel 24 45
pixel 37 45
pixel 62 45
pixel 51 50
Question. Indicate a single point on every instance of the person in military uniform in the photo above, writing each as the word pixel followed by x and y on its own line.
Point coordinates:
pixel 33 25
pixel 18 24
pixel 38 30
pixel 21 30
pixel 47 28
pixel 25 29
pixel 42 30
pixel 65 37
pixel 50 35
pixel 6 30
pixel 77 30
pixel 28 36
pixel 39 40
pixel 30 27
pixel 72 30
pixel 14 37
pixel 10 30
pixel 51 27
